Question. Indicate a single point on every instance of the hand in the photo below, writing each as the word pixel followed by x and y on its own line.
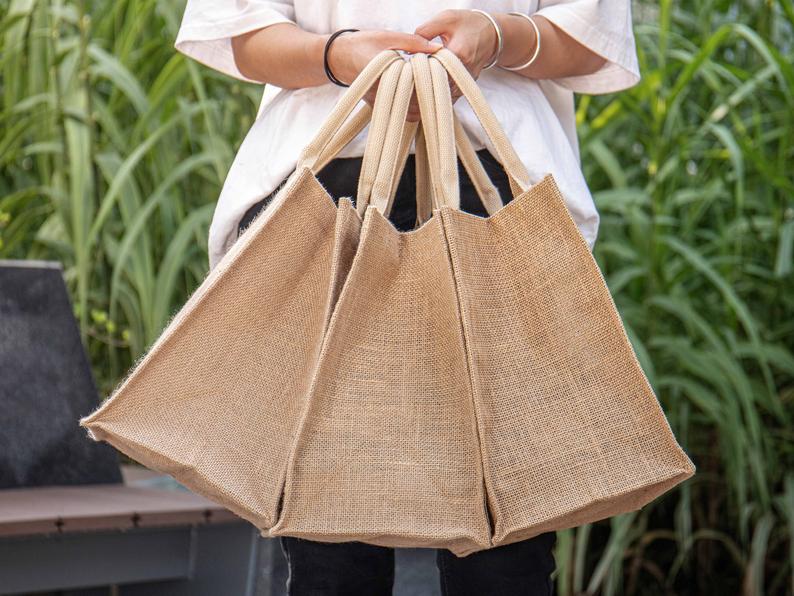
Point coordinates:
pixel 351 52
pixel 465 33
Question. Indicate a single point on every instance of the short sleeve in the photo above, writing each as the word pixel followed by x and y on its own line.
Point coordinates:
pixel 208 27
pixel 605 27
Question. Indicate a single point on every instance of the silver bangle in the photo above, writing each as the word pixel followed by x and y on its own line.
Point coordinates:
pixel 499 41
pixel 537 43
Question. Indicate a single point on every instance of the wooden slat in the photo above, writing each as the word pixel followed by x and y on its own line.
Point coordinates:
pixel 100 507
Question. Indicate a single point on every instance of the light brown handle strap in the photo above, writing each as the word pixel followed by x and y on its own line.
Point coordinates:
pixel 424 202
pixel 409 132
pixel 424 205
pixel 397 136
pixel 426 196
pixel 438 131
pixel 354 125
pixel 349 131
pixel 486 190
pixel 488 193
pixel 389 175
pixel 424 186
pixel 310 155
pixel 506 154
pixel 378 140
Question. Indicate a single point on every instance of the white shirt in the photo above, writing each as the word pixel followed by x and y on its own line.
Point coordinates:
pixel 537 115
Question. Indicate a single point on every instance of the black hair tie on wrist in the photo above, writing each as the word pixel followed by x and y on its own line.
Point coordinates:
pixel 327 67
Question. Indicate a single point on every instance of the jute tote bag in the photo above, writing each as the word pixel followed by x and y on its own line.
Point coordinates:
pixel 571 431
pixel 475 386
pixel 216 399
pixel 387 450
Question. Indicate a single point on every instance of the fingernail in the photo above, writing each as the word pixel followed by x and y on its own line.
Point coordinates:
pixel 436 46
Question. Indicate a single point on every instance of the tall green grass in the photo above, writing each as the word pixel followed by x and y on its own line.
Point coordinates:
pixel 113 148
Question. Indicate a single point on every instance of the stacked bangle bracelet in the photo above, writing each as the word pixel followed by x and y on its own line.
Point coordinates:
pixel 499 41
pixel 537 43
pixel 327 67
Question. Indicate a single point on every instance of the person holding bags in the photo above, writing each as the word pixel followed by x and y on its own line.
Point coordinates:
pixel 528 57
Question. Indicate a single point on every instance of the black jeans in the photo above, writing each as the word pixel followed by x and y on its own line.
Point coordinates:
pixel 359 569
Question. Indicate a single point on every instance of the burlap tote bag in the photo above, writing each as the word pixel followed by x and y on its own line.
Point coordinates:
pixel 216 400
pixel 475 386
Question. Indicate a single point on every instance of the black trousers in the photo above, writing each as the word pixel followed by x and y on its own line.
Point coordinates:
pixel 359 569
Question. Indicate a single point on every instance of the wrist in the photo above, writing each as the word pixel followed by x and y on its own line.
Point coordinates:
pixel 336 50
pixel 520 39
pixel 489 51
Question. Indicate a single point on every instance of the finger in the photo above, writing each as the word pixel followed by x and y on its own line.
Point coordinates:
pixel 439 25
pixel 409 42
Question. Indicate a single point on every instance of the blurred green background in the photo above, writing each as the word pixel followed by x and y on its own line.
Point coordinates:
pixel 113 148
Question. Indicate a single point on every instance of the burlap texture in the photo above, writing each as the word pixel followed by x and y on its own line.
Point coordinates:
pixel 571 430
pixel 216 399
pixel 387 451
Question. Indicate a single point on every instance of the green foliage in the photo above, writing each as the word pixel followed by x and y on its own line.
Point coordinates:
pixel 693 173
pixel 113 148
pixel 112 157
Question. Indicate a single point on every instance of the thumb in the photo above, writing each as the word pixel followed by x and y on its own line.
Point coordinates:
pixel 409 42
pixel 432 28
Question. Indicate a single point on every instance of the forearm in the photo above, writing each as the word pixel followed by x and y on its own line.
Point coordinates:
pixel 283 55
pixel 289 57
pixel 560 54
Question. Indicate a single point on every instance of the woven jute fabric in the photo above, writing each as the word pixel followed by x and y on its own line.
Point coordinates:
pixel 462 385
pixel 387 452
pixel 215 401
pixel 571 430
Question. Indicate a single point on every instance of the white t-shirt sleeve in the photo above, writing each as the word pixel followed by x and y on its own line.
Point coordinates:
pixel 605 27
pixel 208 26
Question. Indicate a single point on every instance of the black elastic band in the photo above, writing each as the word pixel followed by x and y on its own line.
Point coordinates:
pixel 328 72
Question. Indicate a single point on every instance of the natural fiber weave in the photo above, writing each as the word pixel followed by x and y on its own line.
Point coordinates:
pixel 462 385
pixel 216 399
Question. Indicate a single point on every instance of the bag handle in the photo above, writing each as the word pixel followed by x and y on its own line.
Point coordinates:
pixel 380 118
pixel 435 106
pixel 519 177
pixel 395 151
pixel 488 193
pixel 424 186
pixel 485 188
pixel 389 173
pixel 387 126
pixel 396 138
pixel 390 88
pixel 311 154
pixel 349 131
